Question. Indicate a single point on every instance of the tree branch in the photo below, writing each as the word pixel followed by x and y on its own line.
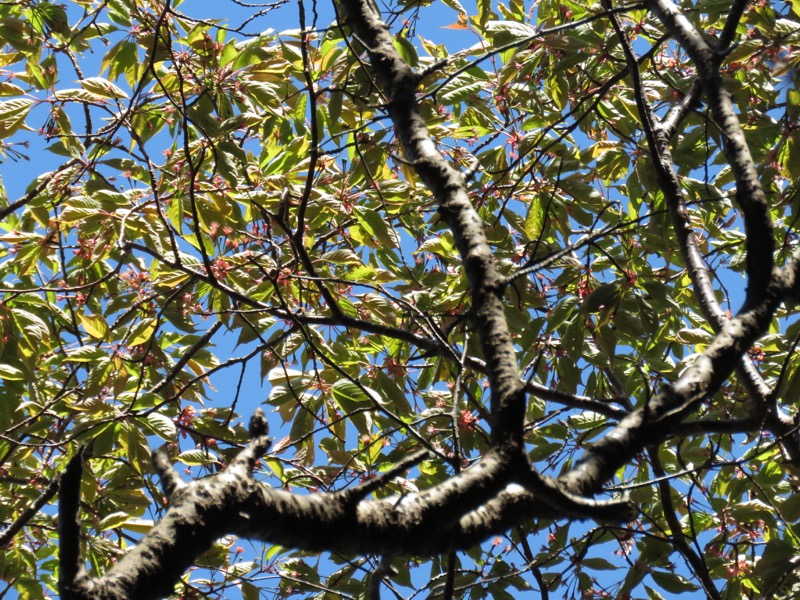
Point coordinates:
pixel 658 138
pixel 653 422
pixel 73 582
pixel 456 514
pixel 49 491
pixel 677 536
pixel 448 186
pixel 750 194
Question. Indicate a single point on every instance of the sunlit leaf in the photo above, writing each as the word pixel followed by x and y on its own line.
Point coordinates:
pixel 102 87
pixel 10 373
pixel 94 325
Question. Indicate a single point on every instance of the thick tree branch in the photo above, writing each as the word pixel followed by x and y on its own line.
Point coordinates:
pixel 735 12
pixel 457 514
pixel 200 513
pixel 448 186
pixel 654 421
pixel 658 141
pixel 74 582
pixel 750 194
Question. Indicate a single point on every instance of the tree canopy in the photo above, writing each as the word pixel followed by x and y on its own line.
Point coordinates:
pixel 413 298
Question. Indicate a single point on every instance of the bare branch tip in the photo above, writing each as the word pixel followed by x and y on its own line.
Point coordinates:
pixel 472 170
pixel 258 424
pixel 170 479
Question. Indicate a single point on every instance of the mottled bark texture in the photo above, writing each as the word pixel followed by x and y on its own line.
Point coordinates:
pixel 658 136
pixel 503 489
pixel 399 84
pixel 767 287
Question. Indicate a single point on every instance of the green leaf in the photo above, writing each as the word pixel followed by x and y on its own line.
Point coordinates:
pixel 347 391
pixel 443 247
pixel 606 295
pixel 136 449
pixel 85 354
pixel 79 95
pixel 507 32
pixel 161 426
pixel 196 458
pixel 484 13
pixel 114 520
pixel 406 50
pixel 10 373
pixel 600 564
pixel 342 256
pixel 775 563
pixel 12 116
pixel 102 87
pixel 94 325
pixel 534 220
pixel 694 336
pixel 456 5
pixel 461 89
pixel 30 325
pixel 122 59
pixel 15 108
pixel 353 401
pixel 751 511
pixel 249 591
pixel 98 376
pixel 376 227
pixel 672 582
pixel 9 89
pixel 45 17
pixel 141 332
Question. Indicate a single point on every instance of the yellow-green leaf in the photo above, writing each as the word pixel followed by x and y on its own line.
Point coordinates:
pixel 102 87
pixel 141 332
pixel 94 325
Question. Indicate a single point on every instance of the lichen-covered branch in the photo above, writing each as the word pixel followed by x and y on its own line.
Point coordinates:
pixel 750 194
pixel 448 186
pixel 658 136
pixel 455 515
